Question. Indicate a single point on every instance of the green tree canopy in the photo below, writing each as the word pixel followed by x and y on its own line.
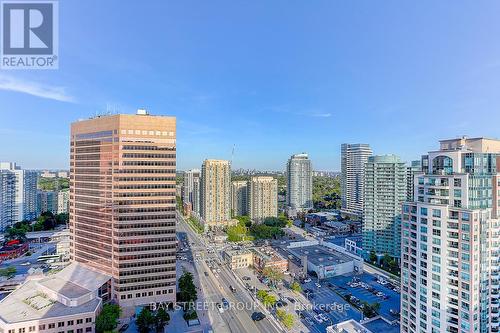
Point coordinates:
pixel 107 320
pixel 145 321
pixel 285 318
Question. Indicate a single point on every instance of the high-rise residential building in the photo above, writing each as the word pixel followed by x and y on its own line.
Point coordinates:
pixel 62 202
pixel 122 204
pixel 385 192
pixel 188 184
pixel 239 197
pixel 450 241
pixel 7 199
pixel 47 201
pixel 299 182
pixel 196 196
pixel 22 203
pixel 263 198
pixel 353 159
pixel 215 193
pixel 411 170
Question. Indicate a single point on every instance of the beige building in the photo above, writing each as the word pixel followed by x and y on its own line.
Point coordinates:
pixel 122 204
pixel 239 197
pixel 215 193
pixel 62 202
pixel 263 198
pixel 239 258
pixel 68 301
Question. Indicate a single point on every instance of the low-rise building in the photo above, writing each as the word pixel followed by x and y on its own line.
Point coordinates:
pixel 337 227
pixel 347 326
pixel 68 301
pixel 265 257
pixel 13 249
pixel 325 259
pixel 238 258
pixel 322 217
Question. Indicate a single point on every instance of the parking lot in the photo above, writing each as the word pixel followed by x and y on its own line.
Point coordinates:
pixel 392 302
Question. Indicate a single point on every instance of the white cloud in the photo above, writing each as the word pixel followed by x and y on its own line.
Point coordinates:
pixel 9 83
pixel 320 115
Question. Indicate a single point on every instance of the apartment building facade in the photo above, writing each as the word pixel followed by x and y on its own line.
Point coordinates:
pixel 353 159
pixel 263 198
pixel 239 197
pixel 450 241
pixel 215 193
pixel 299 182
pixel 384 193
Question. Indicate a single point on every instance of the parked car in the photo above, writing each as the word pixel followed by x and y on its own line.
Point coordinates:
pixel 292 300
pixel 123 328
pixel 317 285
pixel 307 280
pixel 220 308
pixel 258 316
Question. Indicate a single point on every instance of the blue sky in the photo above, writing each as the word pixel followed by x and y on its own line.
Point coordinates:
pixel 271 77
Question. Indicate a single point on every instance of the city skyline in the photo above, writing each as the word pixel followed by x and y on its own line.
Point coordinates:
pixel 311 85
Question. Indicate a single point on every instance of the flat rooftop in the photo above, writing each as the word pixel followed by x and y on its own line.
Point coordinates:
pixel 320 255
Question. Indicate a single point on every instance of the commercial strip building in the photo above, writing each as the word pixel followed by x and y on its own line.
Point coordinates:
pixel 122 204
pixel 353 159
pixel 239 197
pixel 238 258
pixel 263 198
pixel 299 183
pixel 18 190
pixel 68 301
pixel 450 241
pixel 267 257
pixel 215 193
pixel 385 191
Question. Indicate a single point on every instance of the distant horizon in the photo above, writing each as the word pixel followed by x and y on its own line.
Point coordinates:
pixel 269 78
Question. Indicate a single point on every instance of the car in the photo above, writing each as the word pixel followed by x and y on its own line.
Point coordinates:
pixel 246 278
pixel 233 289
pixel 380 294
pixel 317 285
pixel 290 299
pixel 220 308
pixel 318 319
pixel 206 274
pixel 225 302
pixel 281 303
pixel 307 280
pixel 27 263
pixel 123 328
pixel 258 316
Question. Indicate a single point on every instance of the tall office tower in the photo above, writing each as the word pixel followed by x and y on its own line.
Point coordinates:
pixel 450 241
pixel 215 193
pixel 353 159
pixel 188 184
pixel 239 197
pixel 7 199
pixel 299 182
pixel 385 192
pixel 122 204
pixel 414 168
pixel 263 198
pixel 25 192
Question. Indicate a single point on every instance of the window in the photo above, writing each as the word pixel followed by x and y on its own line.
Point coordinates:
pixel 79 330
pixel 21 330
pixel 53 325
pixel 71 322
pixel 88 329
pixel 436 213
pixel 41 327
pixel 60 324
pixel 457 182
pixel 32 329
pixel 79 321
pixel 88 320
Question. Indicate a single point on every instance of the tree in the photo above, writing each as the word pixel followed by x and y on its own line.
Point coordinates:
pixel 386 259
pixel 107 320
pixel 187 289
pixel 161 319
pixel 145 321
pixel 267 299
pixel 285 318
pixel 244 220
pixel 376 306
pixel 296 287
pixel 273 274
pixel 8 272
pixel 373 257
